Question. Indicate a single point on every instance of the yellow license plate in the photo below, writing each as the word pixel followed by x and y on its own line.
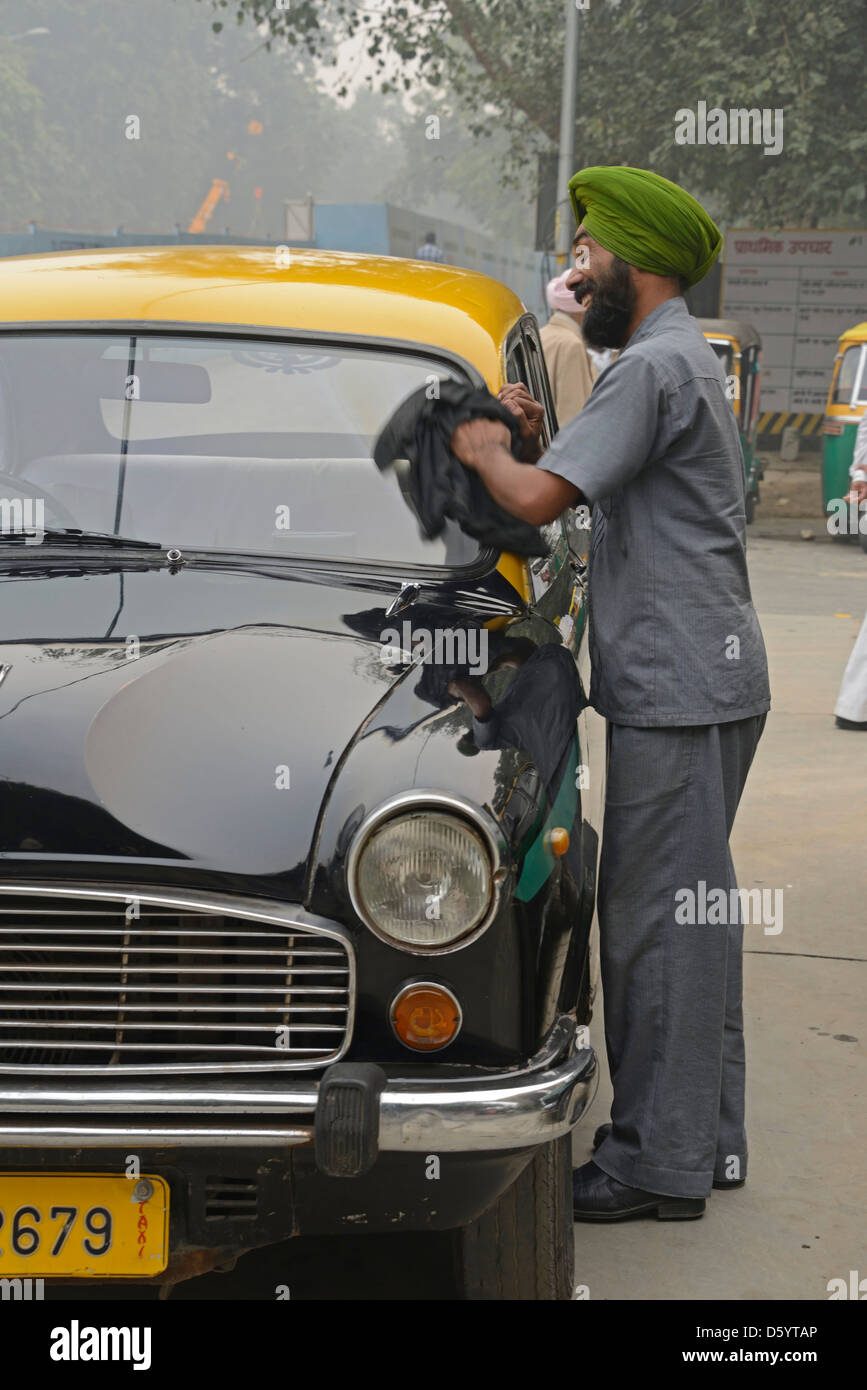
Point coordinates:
pixel 82 1225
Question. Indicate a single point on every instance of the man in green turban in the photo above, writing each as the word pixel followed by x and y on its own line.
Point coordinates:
pixel 646 220
pixel 678 670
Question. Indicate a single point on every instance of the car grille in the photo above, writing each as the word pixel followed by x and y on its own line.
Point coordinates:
pixel 83 988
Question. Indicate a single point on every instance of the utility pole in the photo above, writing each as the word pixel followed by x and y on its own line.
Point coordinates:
pixel 566 161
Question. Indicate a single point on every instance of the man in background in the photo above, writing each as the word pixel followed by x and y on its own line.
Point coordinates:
pixel 570 369
pixel 851 707
pixel 429 251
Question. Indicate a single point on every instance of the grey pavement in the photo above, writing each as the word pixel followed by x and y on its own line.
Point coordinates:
pixel 799 1221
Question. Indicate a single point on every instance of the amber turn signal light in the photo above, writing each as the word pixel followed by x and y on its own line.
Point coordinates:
pixel 425 1016
pixel 557 841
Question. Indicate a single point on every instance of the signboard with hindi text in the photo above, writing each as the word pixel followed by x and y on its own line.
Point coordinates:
pixel 801 289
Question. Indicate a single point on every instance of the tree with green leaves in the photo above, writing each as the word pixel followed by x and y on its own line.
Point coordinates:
pixel 31 149
pixel 640 63
pixel 72 156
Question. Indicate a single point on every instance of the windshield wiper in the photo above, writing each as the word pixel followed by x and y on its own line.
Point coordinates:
pixel 71 535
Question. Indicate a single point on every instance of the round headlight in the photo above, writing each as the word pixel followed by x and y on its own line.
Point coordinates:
pixel 423 880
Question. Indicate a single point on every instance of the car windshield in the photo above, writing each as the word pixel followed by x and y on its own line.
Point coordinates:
pixel 215 443
pixel 847 377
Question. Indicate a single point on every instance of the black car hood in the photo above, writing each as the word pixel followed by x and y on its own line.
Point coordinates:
pixel 211 746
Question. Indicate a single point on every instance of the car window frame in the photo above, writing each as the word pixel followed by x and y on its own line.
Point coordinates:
pixel 539 371
pixel 524 360
pixel 488 557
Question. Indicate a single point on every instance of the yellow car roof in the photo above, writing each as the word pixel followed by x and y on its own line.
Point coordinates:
pixel 856 334
pixel 318 291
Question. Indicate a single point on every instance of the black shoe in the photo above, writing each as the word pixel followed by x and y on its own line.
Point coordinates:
pixel 850 724
pixel 721 1184
pixel 597 1197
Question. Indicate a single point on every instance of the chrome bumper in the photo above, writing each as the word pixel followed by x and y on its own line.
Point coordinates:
pixel 509 1110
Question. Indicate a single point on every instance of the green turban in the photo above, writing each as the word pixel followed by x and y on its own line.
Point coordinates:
pixel 646 220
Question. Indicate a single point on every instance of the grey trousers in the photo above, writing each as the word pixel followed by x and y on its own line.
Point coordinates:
pixel 672 988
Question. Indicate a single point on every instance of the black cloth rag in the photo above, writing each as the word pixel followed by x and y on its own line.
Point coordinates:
pixel 439 485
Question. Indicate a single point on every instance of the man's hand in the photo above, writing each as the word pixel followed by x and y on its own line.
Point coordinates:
pixel 533 494
pixel 476 438
pixel 472 692
pixel 530 416
pixel 857 492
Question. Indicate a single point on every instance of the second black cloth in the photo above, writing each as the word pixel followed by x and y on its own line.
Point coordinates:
pixel 440 486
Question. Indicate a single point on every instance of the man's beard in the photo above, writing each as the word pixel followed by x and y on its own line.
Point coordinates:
pixel 606 321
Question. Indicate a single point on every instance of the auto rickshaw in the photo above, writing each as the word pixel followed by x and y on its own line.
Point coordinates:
pixel 739 348
pixel 847 400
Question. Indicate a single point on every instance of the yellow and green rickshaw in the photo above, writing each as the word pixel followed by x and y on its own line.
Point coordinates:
pixel 739 348
pixel 847 401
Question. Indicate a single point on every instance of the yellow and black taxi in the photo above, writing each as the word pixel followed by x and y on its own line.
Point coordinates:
pixel 300 810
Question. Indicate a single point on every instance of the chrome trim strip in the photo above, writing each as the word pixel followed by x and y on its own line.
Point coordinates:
pixel 284 915
pixel 423 799
pixel 157 1099
pixel 271 1096
pixel 530 1105
pixel 487 1116
pixel 89 1136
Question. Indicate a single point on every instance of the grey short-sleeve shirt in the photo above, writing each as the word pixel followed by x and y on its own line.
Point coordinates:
pixel 674 636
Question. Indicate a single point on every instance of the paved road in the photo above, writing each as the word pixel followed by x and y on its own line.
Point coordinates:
pixel 799 1221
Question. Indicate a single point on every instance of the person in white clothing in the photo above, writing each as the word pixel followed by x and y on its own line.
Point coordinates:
pixel 851 707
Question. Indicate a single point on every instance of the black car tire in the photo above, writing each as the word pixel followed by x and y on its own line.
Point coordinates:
pixel 523 1247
